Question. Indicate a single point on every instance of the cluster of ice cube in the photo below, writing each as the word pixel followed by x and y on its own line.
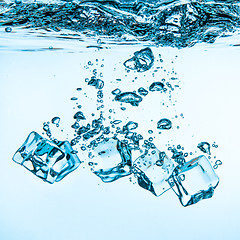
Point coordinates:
pixel 112 159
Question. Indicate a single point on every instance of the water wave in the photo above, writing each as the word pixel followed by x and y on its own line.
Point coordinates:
pixel 166 23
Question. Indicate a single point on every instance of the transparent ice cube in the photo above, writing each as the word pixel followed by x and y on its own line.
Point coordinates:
pixel 152 171
pixel 194 181
pixel 111 160
pixel 49 161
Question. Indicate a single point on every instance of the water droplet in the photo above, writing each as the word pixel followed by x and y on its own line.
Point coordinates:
pixel 75 125
pixel 116 122
pixel 56 121
pixel 116 91
pixel 79 116
pixel 74 98
pixel 8 29
pixel 129 97
pixel 204 147
pixel 156 86
pixel 164 123
pixel 130 126
pixel 74 152
pixel 215 166
pixel 142 91
pixel 97 83
pixel 218 162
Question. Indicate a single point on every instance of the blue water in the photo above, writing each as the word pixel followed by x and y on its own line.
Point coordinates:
pixel 108 83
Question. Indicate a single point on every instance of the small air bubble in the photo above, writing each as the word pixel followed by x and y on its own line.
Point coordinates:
pixel 74 98
pixel 8 29
pixel 56 121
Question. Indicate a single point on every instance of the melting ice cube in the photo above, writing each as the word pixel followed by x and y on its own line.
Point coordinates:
pixel 194 181
pixel 153 170
pixel 141 61
pixel 112 160
pixel 47 160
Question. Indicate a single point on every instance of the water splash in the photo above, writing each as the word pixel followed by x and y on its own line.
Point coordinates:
pixel 166 23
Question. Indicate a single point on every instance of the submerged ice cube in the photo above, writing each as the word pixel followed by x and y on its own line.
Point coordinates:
pixel 141 61
pixel 49 161
pixel 194 181
pixel 112 160
pixel 153 170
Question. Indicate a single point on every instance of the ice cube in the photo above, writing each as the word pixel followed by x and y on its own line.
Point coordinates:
pixel 153 170
pixel 194 181
pixel 48 160
pixel 69 163
pixel 111 160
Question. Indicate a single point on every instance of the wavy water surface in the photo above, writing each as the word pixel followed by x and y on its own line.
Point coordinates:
pixel 166 23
